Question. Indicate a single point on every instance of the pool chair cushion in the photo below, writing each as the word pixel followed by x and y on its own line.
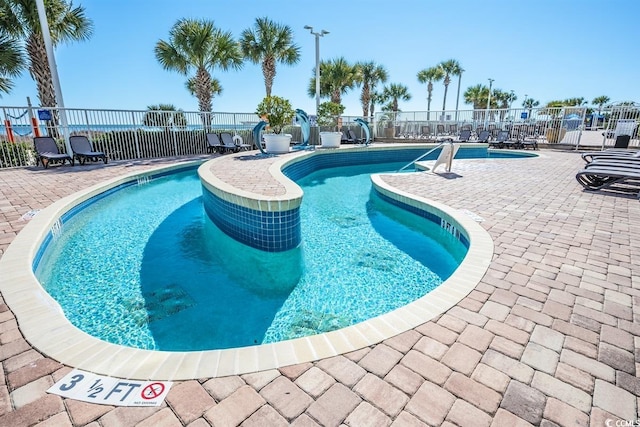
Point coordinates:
pixel 82 150
pixel 47 152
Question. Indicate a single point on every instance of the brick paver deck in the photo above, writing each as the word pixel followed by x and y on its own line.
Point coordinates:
pixel 548 337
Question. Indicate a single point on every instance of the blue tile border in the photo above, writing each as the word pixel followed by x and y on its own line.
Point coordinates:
pixel 277 230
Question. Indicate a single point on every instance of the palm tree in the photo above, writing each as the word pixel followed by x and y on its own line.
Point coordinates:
pixel 12 62
pixel 450 67
pixel 500 100
pixel 600 101
pixel 376 98
pixel 197 46
pixel 477 96
pixel 19 19
pixel 216 87
pixel 428 76
pixel 530 104
pixel 369 74
pixel 164 116
pixel 267 44
pixel 395 92
pixel 337 77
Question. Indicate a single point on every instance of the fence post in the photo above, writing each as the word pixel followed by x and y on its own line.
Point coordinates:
pixel 135 135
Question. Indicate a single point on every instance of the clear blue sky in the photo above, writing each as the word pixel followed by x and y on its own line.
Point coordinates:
pixel 547 49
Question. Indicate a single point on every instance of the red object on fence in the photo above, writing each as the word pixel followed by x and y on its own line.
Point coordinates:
pixel 7 125
pixel 34 126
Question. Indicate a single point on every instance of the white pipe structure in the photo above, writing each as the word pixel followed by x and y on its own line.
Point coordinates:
pixel 317 35
pixel 46 35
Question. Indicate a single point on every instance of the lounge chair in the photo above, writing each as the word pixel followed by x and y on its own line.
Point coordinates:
pixel 227 143
pixel 345 138
pixel 483 136
pixel 47 152
pixel 83 151
pixel 230 144
pixel 501 141
pixel 600 177
pixel 213 143
pixel 610 153
pixel 464 136
pixel 353 137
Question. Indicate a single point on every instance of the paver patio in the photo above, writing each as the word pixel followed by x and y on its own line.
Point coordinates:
pixel 548 337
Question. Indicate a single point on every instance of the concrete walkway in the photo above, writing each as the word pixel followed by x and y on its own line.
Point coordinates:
pixel 549 337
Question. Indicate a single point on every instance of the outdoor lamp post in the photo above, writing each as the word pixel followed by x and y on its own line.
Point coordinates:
pixel 317 35
pixel 511 101
pixel 489 99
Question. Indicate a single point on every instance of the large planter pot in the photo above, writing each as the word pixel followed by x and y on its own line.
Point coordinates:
pixel 277 143
pixel 555 135
pixel 330 139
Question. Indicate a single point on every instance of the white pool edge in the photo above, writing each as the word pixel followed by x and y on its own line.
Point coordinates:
pixel 45 327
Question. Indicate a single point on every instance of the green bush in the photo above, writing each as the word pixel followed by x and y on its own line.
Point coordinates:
pixel 14 154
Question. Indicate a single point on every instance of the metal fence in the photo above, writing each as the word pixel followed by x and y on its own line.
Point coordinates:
pixel 555 125
pixel 128 135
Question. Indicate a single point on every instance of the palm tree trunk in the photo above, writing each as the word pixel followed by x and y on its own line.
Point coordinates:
pixel 430 92
pixel 40 72
pixel 269 73
pixel 444 99
pixel 203 89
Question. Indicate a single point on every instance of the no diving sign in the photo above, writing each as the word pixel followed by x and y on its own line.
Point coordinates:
pixel 88 387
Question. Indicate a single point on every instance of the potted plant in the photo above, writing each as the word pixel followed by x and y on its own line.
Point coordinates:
pixel 329 116
pixel 278 113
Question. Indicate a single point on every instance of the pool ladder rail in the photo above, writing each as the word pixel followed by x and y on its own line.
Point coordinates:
pixel 450 154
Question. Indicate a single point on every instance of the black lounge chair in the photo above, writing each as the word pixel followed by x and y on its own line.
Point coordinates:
pixel 47 152
pixel 465 136
pixel 213 143
pixel 353 137
pixel 230 144
pixel 501 141
pixel 345 138
pixel 610 153
pixel 82 150
pixel 483 136
pixel 598 177
pixel 227 143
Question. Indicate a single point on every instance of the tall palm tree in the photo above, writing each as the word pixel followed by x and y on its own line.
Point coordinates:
pixel 376 98
pixel 164 116
pixel 477 96
pixel 370 74
pixel 12 62
pixel 530 104
pixel 428 76
pixel 269 43
pixel 197 46
pixel 395 92
pixel 216 86
pixel 450 67
pixel 337 76
pixel 19 18
pixel 600 101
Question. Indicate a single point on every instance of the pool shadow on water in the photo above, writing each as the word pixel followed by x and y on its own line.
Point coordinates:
pixel 419 238
pixel 203 290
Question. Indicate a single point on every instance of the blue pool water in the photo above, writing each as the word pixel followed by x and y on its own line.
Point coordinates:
pixel 144 267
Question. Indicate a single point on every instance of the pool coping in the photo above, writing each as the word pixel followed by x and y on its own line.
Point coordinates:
pixel 45 327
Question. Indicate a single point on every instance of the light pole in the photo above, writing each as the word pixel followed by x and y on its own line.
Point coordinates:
pixel 317 35
pixel 524 103
pixel 489 99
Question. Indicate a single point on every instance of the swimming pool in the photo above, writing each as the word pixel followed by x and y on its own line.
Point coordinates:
pixel 144 267
pixel 44 325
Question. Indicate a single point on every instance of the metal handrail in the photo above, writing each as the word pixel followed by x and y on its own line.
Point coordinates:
pixel 448 141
